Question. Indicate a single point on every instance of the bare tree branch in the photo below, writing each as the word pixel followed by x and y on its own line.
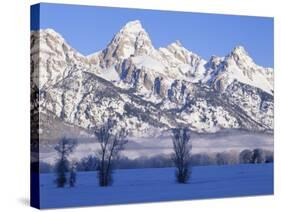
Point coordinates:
pixel 181 155
pixel 111 143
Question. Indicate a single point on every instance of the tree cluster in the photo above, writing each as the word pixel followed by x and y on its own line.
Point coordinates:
pixel 256 156
pixel 64 148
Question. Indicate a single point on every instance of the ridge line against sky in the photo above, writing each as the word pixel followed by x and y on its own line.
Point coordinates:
pixel 89 29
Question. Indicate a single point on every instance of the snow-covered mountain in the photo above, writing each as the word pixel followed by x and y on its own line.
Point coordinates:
pixel 148 90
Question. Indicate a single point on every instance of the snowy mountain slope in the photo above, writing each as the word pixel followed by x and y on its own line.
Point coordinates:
pixel 149 90
pixel 239 66
pixel 51 57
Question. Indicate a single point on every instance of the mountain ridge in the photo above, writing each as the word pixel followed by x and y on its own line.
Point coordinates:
pixel 150 90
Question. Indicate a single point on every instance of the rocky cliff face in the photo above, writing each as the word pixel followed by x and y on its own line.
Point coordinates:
pixel 149 90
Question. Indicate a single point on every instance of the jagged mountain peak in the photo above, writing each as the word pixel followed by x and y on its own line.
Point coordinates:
pixel 239 50
pixel 51 32
pixel 57 57
pixel 240 53
pixel 52 41
pixel 203 94
pixel 131 40
pixel 176 46
pixel 239 66
pixel 133 26
pixel 176 43
pixel 52 36
pixel 184 55
pixel 134 32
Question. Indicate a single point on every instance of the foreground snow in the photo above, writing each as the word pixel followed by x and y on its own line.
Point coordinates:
pixel 147 185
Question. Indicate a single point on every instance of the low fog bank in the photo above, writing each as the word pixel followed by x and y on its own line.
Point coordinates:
pixel 247 156
pixel 224 141
pixel 228 140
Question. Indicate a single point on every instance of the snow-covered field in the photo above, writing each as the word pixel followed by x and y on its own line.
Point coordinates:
pixel 148 185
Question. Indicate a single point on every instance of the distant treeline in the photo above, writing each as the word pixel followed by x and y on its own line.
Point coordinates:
pixel 90 163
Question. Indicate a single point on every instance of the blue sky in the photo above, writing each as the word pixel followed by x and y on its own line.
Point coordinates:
pixel 89 29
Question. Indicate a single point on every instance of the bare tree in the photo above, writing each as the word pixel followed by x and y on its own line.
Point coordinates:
pixel 64 148
pixel 111 142
pixel 182 154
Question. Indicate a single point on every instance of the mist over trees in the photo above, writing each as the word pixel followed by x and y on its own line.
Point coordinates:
pixel 158 161
pixel 88 163
pixel 203 159
pixel 91 163
pixel 112 140
pixel 226 158
pixel 256 156
pixel 246 156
